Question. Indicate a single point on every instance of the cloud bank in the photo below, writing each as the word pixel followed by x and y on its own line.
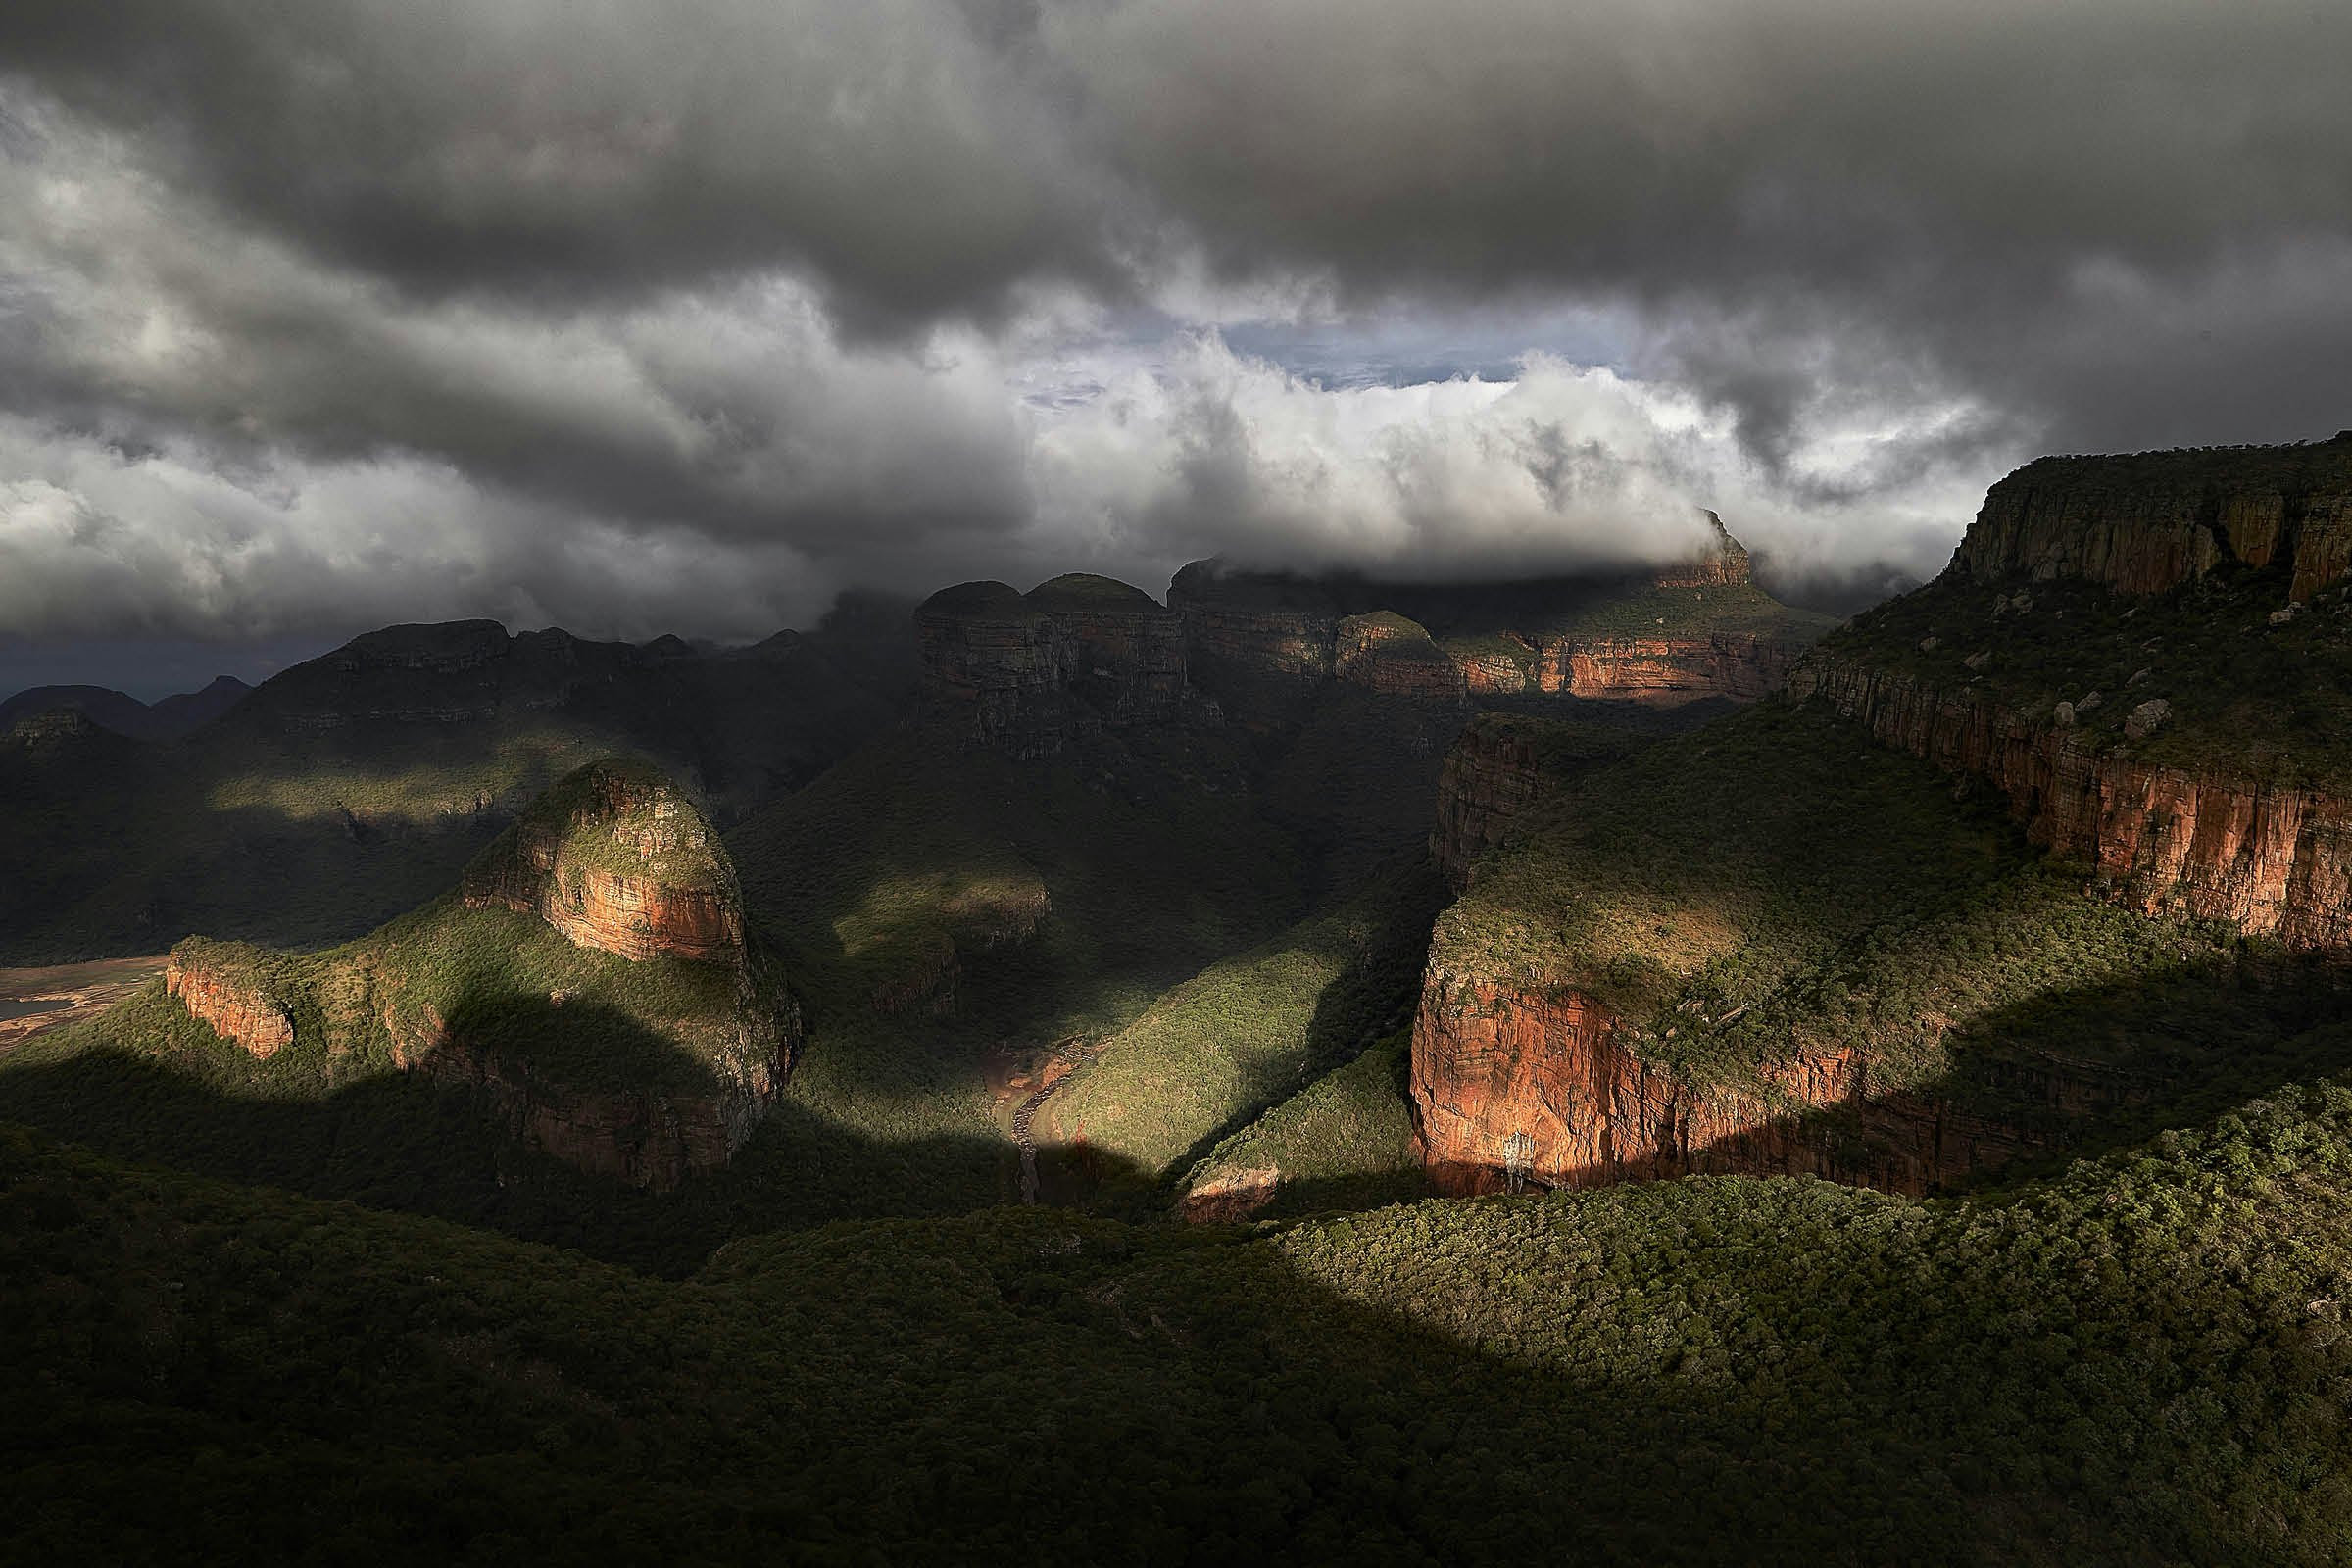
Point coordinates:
pixel 314 316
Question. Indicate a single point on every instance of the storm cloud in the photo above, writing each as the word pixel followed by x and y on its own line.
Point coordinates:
pixel 683 317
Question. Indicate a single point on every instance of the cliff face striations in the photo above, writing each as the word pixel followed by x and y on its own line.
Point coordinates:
pixel 2151 523
pixel 1492 1064
pixel 221 986
pixel 2271 859
pixel 617 859
pixel 1264 642
pixel 2175 732
pixel 995 667
pixel 1027 673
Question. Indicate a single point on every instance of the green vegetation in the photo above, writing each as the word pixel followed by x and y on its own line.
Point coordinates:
pixel 1213 1051
pixel 1345 1141
pixel 1084 590
pixel 2265 702
pixel 2294 466
pixel 1778 884
pixel 2142 1361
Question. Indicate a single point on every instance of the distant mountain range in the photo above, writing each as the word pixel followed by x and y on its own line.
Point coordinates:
pixel 168 719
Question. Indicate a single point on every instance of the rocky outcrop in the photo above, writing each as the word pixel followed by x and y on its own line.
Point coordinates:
pixel 1263 637
pixel 995 667
pixel 1392 657
pixel 2149 522
pixel 219 985
pixel 616 859
pixel 1493 773
pixel 1667 671
pixel 1130 657
pixel 1026 673
pixel 1555 1075
pixel 2270 859
pixel 1722 563
pixel 1230 1196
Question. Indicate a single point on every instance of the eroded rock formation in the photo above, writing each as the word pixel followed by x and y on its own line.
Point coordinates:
pixel 616 859
pixel 996 667
pixel 1493 773
pixel 1493 1064
pixel 1669 669
pixel 218 984
pixel 2271 859
pixel 2150 523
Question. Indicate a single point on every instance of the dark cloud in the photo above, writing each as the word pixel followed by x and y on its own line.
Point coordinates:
pixel 653 317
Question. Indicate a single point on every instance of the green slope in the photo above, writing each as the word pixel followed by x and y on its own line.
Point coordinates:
pixel 2143 1361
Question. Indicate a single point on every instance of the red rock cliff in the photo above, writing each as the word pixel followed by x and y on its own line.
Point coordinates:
pixel 1491 775
pixel 217 988
pixel 2271 860
pixel 1666 671
pixel 2152 521
pixel 617 859
pixel 647 1138
pixel 1492 1063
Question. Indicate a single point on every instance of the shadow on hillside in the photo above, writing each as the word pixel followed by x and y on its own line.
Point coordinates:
pixel 2037 1084
pixel 1416 1392
pixel 403 1143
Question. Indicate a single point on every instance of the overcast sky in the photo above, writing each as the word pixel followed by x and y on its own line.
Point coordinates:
pixel 639 317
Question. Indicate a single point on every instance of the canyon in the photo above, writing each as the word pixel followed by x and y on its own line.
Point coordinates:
pixel 1543 1082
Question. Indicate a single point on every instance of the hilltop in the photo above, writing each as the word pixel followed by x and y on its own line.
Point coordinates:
pixel 591 981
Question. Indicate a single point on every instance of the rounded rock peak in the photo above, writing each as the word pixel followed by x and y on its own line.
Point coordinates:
pixel 1084 591
pixel 987 597
pixel 616 856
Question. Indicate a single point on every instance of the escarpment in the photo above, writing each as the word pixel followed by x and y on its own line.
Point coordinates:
pixel 1493 773
pixel 1026 673
pixel 2149 522
pixel 1744 667
pixel 2271 859
pixel 2143 655
pixel 226 987
pixel 1263 641
pixel 1547 1085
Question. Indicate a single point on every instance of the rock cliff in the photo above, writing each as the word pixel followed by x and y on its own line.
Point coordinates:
pixel 1026 673
pixel 616 859
pixel 2271 859
pixel 1392 657
pixel 1493 773
pixel 2149 522
pixel 1492 1064
pixel 1265 642
pixel 1669 669
pixel 995 667
pixel 1130 655
pixel 225 986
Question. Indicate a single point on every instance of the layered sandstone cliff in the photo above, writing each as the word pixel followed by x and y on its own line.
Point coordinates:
pixel 647 1135
pixel 995 667
pixel 1493 773
pixel 2271 859
pixel 1550 1084
pixel 2150 523
pixel 616 859
pixel 1392 657
pixel 1264 642
pixel 1667 669
pixel 1130 658
pixel 1027 673
pixel 223 984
